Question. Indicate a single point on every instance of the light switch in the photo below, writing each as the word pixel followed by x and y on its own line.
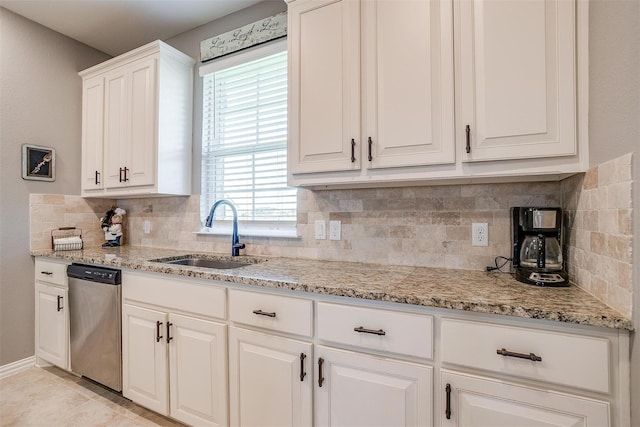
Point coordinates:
pixel 335 230
pixel 321 229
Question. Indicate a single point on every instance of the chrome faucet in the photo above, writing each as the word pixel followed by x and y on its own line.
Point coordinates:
pixel 235 241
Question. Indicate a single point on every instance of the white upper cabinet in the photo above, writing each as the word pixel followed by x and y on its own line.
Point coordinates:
pixel 408 83
pixel 517 78
pixel 376 91
pixel 324 86
pixel 137 124
pixel 398 92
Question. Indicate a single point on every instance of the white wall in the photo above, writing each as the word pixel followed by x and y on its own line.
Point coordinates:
pixel 40 103
pixel 614 120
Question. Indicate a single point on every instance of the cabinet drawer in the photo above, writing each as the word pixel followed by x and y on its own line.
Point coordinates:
pixel 572 360
pixel 404 333
pixel 275 312
pixel 51 272
pixel 187 295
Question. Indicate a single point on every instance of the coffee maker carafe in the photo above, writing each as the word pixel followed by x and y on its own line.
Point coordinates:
pixel 537 252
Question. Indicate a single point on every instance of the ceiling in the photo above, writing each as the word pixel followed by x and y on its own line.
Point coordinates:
pixel 118 26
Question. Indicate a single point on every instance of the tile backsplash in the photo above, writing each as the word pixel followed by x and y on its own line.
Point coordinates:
pixel 420 226
pixel 598 216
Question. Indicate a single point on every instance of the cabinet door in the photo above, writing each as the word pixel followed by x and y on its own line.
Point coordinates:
pixel 92 133
pixel 144 358
pixel 52 325
pixel 477 401
pixel 198 371
pixel 141 152
pixel 516 70
pixel 408 77
pixel 130 124
pixel 324 86
pixel 270 384
pixel 116 125
pixel 363 390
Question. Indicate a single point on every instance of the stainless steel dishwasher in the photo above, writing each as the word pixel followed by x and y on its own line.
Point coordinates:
pixel 96 323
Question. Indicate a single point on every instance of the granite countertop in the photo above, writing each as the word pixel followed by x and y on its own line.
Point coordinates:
pixel 476 291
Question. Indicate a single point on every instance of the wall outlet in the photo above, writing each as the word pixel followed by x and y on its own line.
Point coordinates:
pixel 335 229
pixel 321 229
pixel 479 234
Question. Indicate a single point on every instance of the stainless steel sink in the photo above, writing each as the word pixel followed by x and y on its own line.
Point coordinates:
pixel 213 262
pixel 208 263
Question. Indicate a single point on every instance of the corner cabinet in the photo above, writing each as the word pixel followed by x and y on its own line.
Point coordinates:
pixel 403 92
pixel 136 124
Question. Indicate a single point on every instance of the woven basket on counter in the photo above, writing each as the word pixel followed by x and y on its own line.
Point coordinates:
pixel 66 239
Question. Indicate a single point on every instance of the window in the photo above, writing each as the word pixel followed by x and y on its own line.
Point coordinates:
pixel 244 138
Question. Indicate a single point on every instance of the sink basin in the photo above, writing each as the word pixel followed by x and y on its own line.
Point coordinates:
pixel 208 263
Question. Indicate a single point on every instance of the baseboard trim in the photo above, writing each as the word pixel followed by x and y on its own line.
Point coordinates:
pixel 15 367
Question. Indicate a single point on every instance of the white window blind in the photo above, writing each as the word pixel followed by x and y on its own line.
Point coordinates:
pixel 244 141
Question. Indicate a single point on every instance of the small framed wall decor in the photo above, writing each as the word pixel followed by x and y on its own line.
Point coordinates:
pixel 38 163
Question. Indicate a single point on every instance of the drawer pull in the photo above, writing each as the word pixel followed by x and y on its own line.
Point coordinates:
pixel 320 374
pixel 264 313
pixel 59 306
pixel 158 336
pixel 47 273
pixel 302 372
pixel 370 142
pixel 447 409
pixel 370 331
pixel 529 356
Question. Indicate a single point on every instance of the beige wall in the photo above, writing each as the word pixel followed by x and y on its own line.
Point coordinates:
pixel 40 103
pixel 614 120
pixel 189 43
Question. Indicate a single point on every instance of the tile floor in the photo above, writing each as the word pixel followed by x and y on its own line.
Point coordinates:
pixel 54 398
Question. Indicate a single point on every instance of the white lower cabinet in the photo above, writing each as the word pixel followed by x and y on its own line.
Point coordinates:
pixel 476 401
pixel 52 324
pixel 52 313
pixel 356 389
pixel 175 365
pixel 270 380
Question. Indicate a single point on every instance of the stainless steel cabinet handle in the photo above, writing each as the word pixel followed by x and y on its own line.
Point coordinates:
pixel 529 356
pixel 302 372
pixel 320 374
pixel 370 331
pixel 264 313
pixel 59 305
pixel 158 336
pixel 169 337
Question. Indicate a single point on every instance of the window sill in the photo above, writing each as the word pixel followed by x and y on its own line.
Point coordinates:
pixel 248 231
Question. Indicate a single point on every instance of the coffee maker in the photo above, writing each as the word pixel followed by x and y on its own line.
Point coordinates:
pixel 537 251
